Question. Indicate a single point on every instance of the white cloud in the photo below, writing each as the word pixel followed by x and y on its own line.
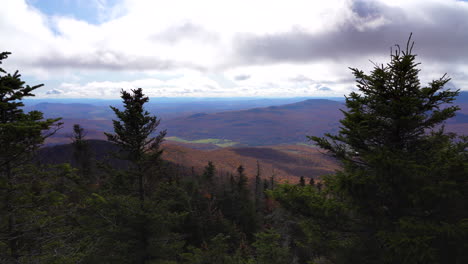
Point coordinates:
pixel 271 42
pixel 183 84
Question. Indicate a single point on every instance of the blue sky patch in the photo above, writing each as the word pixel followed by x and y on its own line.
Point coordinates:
pixel 91 11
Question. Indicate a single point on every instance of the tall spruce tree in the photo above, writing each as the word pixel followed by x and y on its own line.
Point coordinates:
pixel 31 202
pixel 82 154
pixel 258 190
pixel 403 178
pixel 302 181
pixel 209 173
pixel 246 217
pixel 134 134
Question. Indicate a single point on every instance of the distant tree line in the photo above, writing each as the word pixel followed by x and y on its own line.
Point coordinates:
pixel 400 196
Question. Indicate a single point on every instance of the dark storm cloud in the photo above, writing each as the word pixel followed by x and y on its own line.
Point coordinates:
pixel 111 60
pixel 442 36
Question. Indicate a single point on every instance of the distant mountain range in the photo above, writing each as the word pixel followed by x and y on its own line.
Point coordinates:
pixel 235 122
pixel 261 126
pixel 271 135
pixel 164 108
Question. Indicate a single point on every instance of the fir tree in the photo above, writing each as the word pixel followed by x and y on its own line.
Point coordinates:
pixel 403 176
pixel 144 231
pixel 133 133
pixel 258 190
pixel 302 181
pixel 312 182
pixel 82 154
pixel 269 249
pixel 246 217
pixel 31 201
pixel 209 172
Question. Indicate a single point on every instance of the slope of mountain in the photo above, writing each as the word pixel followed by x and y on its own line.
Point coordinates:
pixel 261 126
pixel 285 162
pixel 93 130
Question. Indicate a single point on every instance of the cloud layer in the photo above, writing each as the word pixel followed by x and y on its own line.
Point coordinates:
pixel 229 48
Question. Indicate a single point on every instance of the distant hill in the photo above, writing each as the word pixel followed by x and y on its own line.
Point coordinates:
pixel 462 98
pixel 261 126
pixel 64 153
pixel 165 108
pixel 286 162
pixel 95 115
pixel 72 110
pixel 282 124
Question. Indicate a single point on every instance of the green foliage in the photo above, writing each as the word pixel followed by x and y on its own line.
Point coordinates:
pixel 238 205
pixel 312 182
pixel 302 181
pixel 217 251
pixel 39 214
pixel 268 248
pixel 20 133
pixel 145 214
pixel 209 172
pixel 82 154
pixel 403 178
pixel 401 196
pixel 322 224
pixel 133 134
pixel 136 218
pixel 135 127
pixel 259 190
pixel 32 204
pixel 125 233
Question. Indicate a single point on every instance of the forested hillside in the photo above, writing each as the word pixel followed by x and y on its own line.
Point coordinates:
pixel 284 162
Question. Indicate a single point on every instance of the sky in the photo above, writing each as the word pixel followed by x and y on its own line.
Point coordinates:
pixel 218 48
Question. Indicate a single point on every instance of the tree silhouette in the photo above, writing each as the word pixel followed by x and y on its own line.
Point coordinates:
pixel 403 176
pixel 133 133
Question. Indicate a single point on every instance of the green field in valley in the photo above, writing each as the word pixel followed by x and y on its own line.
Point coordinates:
pixel 223 143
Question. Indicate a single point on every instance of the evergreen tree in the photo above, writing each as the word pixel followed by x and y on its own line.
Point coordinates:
pixel 33 203
pixel 269 249
pixel 246 217
pixel 82 154
pixel 209 172
pixel 302 181
pixel 134 135
pixel 21 133
pixel 242 180
pixel 265 186
pixel 403 176
pixel 145 219
pixel 312 182
pixel 258 190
